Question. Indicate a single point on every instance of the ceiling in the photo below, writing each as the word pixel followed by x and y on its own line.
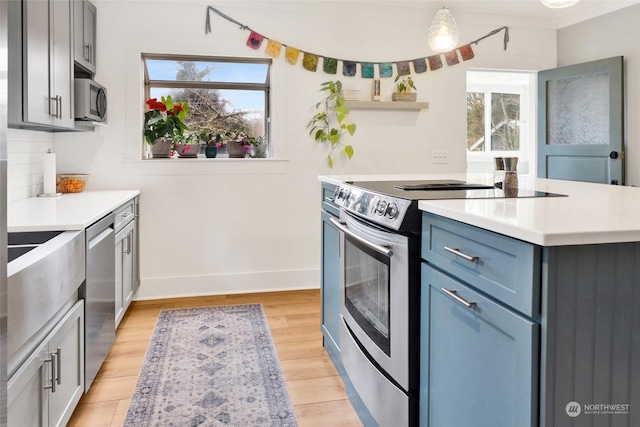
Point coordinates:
pixel 530 9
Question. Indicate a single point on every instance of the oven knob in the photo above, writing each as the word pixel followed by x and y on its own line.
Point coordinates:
pixel 381 207
pixel 392 211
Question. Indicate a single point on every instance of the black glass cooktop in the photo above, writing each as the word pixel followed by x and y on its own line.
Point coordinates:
pixel 445 189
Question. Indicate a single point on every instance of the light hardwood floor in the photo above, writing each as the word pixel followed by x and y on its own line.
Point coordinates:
pixel 315 388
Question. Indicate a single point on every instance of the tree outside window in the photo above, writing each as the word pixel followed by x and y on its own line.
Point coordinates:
pixel 493 117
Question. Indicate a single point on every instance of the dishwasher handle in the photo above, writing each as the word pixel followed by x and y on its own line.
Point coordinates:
pixel 99 238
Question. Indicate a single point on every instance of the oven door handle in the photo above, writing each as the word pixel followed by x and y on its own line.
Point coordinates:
pixel 342 226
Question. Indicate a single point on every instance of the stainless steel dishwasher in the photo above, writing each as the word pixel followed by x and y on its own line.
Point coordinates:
pixel 99 294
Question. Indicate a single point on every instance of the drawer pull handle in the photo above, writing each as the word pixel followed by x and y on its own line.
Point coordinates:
pixel 454 295
pixel 457 252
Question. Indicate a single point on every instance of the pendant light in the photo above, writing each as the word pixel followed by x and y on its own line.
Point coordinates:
pixel 558 4
pixel 443 34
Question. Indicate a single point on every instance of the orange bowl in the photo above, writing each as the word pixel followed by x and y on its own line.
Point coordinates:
pixel 71 183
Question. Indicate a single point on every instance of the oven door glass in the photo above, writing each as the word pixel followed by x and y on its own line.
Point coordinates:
pixel 366 291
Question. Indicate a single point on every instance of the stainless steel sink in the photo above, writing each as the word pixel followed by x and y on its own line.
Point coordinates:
pixel 44 272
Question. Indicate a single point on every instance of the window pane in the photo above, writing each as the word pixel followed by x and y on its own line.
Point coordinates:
pixel 475 121
pixel 207 71
pixel 221 110
pixel 505 122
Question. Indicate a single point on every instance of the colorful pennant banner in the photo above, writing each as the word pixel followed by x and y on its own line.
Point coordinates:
pixel 310 61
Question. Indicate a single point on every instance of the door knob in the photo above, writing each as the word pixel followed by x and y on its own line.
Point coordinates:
pixel 613 155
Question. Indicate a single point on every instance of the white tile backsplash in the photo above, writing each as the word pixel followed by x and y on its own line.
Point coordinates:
pixel 25 153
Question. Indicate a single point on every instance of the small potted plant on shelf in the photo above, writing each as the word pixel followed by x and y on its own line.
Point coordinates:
pixel 405 89
pixel 163 121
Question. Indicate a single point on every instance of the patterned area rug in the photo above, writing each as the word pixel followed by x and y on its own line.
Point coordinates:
pixel 211 366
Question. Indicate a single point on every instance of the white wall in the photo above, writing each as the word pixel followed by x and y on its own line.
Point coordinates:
pixel 611 35
pixel 222 226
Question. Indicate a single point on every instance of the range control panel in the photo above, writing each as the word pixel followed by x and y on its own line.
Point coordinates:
pixel 377 208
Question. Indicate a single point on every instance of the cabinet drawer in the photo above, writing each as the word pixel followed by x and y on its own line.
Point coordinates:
pixel 328 193
pixel 504 268
pixel 124 214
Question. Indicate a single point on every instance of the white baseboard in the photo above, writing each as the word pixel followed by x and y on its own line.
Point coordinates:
pixel 264 281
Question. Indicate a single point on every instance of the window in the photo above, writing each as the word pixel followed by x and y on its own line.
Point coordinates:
pixel 223 94
pixel 499 111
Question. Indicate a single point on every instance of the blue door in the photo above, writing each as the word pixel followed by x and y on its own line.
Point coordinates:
pixel 580 122
pixel 478 364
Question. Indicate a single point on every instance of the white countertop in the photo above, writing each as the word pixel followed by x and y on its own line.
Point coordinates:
pixel 591 214
pixel 73 211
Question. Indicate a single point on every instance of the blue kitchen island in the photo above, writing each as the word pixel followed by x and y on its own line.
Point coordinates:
pixel 526 306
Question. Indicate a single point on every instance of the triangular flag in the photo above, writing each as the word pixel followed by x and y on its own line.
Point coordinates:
pixel 292 55
pixel 255 40
pixel 310 61
pixel 273 48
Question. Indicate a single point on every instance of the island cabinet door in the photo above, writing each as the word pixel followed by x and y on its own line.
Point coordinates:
pixel 479 360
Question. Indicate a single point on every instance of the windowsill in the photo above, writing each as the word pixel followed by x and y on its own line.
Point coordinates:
pixel 206 166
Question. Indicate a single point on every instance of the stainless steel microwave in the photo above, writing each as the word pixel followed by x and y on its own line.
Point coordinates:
pixel 90 101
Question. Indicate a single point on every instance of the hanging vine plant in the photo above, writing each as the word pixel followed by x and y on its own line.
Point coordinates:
pixel 320 123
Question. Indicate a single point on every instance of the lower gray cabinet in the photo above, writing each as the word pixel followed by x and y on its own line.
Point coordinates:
pixel 47 387
pixel 126 258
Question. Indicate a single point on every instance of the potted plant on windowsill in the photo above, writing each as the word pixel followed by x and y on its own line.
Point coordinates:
pixel 405 90
pixel 214 141
pixel 238 144
pixel 187 145
pixel 162 123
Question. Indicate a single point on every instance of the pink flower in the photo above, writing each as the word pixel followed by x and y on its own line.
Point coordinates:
pixel 218 144
pixel 246 148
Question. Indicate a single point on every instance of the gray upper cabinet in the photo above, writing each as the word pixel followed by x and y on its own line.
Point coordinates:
pixel 41 64
pixel 84 35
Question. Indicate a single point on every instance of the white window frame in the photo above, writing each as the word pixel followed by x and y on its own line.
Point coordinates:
pixel 170 84
pixel 483 161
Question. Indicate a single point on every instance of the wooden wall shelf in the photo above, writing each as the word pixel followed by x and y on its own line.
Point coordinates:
pixel 387 105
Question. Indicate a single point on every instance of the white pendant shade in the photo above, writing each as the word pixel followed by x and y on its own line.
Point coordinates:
pixel 443 34
pixel 558 4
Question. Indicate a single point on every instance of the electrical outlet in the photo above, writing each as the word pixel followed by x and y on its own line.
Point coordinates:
pixel 440 157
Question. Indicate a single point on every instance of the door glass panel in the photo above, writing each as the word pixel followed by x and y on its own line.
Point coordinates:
pixel 367 292
pixel 578 110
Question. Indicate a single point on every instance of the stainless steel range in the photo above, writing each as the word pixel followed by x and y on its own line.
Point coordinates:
pixel 380 268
